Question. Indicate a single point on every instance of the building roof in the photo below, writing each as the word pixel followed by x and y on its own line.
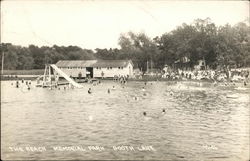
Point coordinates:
pixel 93 63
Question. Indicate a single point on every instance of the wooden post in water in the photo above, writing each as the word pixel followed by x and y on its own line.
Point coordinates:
pixel 44 75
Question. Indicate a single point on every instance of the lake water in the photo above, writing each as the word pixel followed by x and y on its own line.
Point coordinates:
pixel 202 122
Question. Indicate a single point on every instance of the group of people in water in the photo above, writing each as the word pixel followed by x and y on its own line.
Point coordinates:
pixel 27 83
pixel 135 98
pixel 109 91
pixel 121 80
pixel 163 112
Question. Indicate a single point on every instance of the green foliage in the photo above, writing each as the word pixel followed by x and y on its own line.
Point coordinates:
pixel 139 48
pixel 219 46
pixel 33 57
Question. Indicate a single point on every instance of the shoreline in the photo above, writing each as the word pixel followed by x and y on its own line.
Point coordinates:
pixel 33 78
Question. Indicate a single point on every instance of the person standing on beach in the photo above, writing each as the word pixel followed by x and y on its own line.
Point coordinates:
pixel 102 74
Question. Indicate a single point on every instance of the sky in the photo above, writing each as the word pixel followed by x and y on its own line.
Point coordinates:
pixel 95 24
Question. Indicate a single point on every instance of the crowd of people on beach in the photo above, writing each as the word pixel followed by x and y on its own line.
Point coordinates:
pixel 212 75
pixel 121 78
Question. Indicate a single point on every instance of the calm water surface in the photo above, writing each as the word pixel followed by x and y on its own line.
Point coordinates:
pixel 202 122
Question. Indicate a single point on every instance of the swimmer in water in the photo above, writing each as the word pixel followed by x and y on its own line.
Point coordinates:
pixel 146 118
pixel 143 89
pixel 17 84
pixel 113 87
pixel 89 91
pixel 245 84
pixel 163 111
pixel 108 91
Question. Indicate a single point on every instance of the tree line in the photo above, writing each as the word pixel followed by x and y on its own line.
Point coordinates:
pixel 218 45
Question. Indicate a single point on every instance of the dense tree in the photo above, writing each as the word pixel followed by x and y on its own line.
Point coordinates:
pixel 139 48
pixel 221 46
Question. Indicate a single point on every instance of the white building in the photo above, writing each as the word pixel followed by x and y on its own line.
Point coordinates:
pixel 96 68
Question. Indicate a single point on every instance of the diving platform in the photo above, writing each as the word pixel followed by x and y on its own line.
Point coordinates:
pixel 51 77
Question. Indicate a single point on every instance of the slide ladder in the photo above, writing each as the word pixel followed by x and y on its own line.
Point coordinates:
pixel 64 75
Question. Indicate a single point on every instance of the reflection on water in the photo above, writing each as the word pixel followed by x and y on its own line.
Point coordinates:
pixel 201 122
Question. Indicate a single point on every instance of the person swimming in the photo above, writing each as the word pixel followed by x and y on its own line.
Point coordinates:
pixel 245 84
pixel 143 89
pixel 146 118
pixel 17 84
pixel 136 98
pixel 113 87
pixel 163 111
pixel 89 91
pixel 108 91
